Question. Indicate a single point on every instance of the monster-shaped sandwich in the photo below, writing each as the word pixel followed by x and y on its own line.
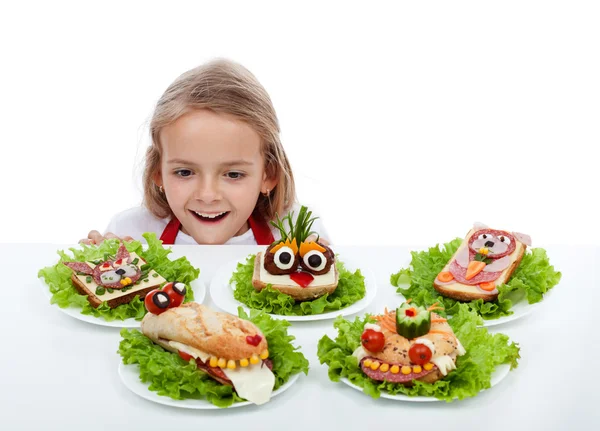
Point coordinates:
pixel 412 343
pixel 116 280
pixel 485 260
pixel 303 269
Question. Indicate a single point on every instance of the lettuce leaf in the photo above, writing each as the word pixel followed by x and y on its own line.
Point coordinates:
pixel 351 288
pixel 473 370
pixel 171 376
pixel 64 294
pixel 531 280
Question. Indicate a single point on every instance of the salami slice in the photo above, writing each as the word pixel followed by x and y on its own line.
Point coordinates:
pixel 122 253
pixel 117 284
pixel 497 233
pixel 460 273
pixel 79 267
pixel 391 377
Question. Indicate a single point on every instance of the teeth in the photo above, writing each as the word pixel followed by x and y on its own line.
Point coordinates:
pixel 210 215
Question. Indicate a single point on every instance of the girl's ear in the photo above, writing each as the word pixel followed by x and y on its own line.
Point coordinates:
pixel 268 184
pixel 157 178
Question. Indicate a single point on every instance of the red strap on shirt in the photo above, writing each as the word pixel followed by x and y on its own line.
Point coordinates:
pixel 260 229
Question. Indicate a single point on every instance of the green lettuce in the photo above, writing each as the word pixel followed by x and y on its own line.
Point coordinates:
pixel 64 294
pixel 171 376
pixel 531 280
pixel 473 370
pixel 351 288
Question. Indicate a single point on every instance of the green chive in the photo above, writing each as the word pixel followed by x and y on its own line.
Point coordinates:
pixel 100 290
pixel 88 279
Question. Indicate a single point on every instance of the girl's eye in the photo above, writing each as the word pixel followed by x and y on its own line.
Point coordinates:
pixel 183 172
pixel 235 175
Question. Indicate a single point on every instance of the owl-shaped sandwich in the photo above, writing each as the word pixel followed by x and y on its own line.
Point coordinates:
pixel 303 269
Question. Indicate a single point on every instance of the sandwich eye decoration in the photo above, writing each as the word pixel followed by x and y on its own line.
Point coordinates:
pixel 171 295
pixel 411 343
pixel 293 255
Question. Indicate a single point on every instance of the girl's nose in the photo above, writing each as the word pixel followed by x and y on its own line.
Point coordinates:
pixel 208 191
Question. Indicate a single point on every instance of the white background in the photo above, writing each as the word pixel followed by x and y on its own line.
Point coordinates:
pixel 404 122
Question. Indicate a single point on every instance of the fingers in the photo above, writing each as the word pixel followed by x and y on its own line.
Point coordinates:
pixel 313 237
pixel 95 237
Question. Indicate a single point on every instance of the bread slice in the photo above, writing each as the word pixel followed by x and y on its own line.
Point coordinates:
pixel 465 292
pixel 117 297
pixel 313 291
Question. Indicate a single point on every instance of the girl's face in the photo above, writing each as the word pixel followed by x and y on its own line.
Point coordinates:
pixel 212 172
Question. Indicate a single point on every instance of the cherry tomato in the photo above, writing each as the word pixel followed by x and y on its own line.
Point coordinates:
pixel 372 340
pixel 157 301
pixel 419 354
pixel 176 292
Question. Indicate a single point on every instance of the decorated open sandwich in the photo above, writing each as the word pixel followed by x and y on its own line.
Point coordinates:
pixel 490 269
pixel 415 352
pixel 210 355
pixel 116 280
pixel 303 269
pixel 412 343
pixel 485 260
pixel 111 280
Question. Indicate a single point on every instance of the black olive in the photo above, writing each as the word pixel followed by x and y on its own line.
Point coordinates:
pixel 285 257
pixel 314 261
pixel 489 244
pixel 179 288
pixel 161 300
pixel 484 236
pixel 502 239
pixel 120 271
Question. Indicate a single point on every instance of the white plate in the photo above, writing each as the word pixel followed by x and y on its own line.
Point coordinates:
pixel 520 309
pixel 130 376
pixel 197 286
pixel 498 375
pixel 221 293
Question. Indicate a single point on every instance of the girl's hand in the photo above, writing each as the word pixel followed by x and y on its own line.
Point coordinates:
pixel 95 237
pixel 313 237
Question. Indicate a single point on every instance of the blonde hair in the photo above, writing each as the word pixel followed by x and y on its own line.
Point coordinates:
pixel 223 87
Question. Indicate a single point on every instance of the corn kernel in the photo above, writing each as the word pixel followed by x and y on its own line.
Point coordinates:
pixel 374 365
pixel 264 354
pixel 213 361
pixel 384 368
pixel 395 369
pixel 254 359
pixel 244 363
pixel 125 281
pixel 406 369
pixel 428 366
pixel 417 369
pixel 483 250
pixel 222 363
pixel 231 364
pixel 367 362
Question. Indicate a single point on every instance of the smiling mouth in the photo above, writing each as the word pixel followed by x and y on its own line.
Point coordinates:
pixel 210 217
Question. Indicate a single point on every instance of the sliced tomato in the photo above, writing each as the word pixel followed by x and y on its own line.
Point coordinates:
pixel 185 356
pixel 157 301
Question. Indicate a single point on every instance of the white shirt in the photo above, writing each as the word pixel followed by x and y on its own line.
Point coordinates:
pixel 138 220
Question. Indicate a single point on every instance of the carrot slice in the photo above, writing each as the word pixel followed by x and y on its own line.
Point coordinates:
pixel 474 268
pixel 488 286
pixel 445 276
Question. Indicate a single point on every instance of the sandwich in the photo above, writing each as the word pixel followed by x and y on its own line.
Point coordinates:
pixel 485 260
pixel 230 350
pixel 407 345
pixel 302 269
pixel 115 279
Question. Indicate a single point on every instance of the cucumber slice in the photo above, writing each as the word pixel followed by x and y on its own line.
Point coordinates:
pixel 412 321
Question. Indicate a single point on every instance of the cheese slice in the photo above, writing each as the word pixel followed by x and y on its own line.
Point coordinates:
pixel 254 383
pixel 192 351
pixel 444 364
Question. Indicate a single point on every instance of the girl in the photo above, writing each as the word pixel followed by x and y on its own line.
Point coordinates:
pixel 216 172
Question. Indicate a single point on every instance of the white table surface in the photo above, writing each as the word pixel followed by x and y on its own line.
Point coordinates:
pixel 57 372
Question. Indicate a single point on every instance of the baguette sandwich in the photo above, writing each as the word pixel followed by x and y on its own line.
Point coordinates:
pixel 302 269
pixel 485 260
pixel 231 350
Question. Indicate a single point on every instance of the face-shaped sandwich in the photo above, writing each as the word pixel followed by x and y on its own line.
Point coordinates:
pixel 485 260
pixel 114 280
pixel 231 350
pixel 412 343
pixel 304 272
